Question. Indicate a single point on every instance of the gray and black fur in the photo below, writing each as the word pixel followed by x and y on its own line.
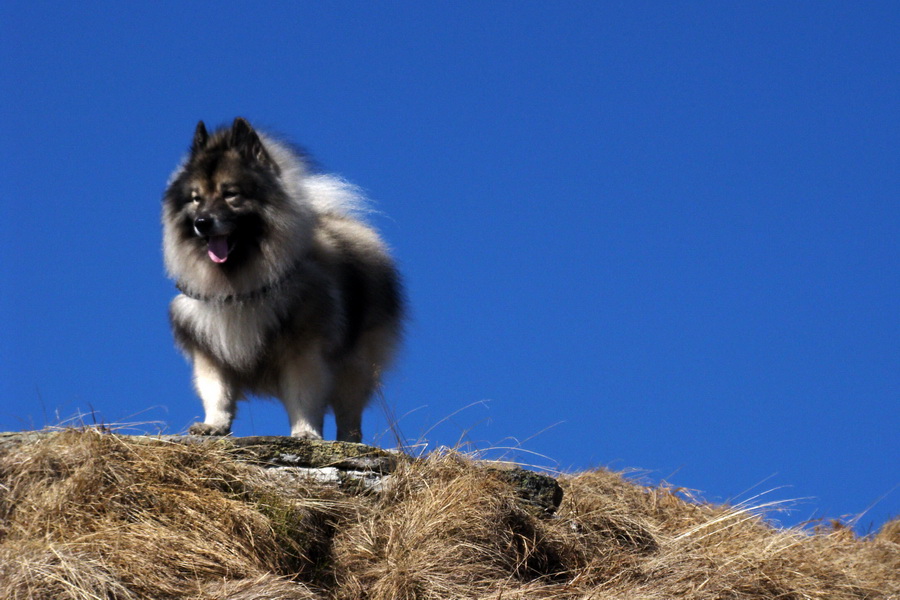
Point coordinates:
pixel 285 292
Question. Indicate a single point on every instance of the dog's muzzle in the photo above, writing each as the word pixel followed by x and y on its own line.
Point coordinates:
pixel 217 237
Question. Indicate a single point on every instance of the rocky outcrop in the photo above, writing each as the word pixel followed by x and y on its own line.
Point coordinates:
pixel 354 467
pixel 369 468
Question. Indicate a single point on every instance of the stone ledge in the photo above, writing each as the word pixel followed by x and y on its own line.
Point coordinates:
pixel 348 465
pixel 293 452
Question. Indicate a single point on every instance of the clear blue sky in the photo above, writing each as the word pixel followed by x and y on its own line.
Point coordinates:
pixel 646 235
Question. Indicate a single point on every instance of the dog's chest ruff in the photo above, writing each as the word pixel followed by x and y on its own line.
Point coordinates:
pixel 236 333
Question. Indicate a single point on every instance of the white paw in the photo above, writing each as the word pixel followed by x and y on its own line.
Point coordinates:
pixel 306 434
pixel 204 429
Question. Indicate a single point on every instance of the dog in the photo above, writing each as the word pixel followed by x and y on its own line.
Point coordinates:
pixel 284 291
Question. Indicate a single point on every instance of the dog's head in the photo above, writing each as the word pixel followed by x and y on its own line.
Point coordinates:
pixel 218 199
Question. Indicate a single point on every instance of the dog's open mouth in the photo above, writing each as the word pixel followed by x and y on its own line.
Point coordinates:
pixel 219 248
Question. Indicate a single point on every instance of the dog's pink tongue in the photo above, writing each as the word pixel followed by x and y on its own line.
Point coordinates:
pixel 218 248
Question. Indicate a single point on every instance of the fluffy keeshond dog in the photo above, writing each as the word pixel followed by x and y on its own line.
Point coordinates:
pixel 285 292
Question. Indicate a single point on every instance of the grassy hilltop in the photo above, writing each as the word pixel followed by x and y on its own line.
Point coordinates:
pixel 93 515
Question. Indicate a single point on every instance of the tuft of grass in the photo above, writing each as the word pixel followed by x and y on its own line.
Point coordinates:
pixel 444 529
pixel 161 519
pixel 89 514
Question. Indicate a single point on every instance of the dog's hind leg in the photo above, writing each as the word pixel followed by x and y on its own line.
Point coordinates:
pixel 219 398
pixel 351 393
pixel 358 379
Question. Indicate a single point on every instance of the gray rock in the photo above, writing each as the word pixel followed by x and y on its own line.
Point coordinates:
pixel 353 467
pixel 541 492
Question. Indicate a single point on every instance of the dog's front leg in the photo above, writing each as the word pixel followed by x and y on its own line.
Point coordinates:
pixel 219 397
pixel 305 382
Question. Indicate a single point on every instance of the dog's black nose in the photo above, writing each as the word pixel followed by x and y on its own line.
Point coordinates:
pixel 203 225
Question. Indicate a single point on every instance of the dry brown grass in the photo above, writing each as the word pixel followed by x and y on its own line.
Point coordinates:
pixel 92 515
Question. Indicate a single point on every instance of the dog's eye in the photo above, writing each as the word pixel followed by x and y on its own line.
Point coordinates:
pixel 195 198
pixel 229 194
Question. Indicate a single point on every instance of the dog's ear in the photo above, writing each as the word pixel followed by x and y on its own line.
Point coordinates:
pixel 246 141
pixel 200 137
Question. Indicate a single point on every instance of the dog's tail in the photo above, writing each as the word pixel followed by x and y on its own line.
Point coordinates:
pixel 322 192
pixel 332 194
